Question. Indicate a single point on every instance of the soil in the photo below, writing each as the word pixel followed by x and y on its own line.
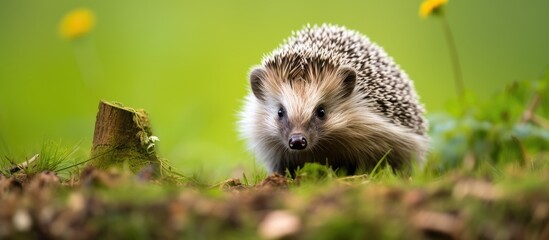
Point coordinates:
pixel 112 205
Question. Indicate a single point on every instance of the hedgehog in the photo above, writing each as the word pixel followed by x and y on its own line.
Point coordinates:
pixel 329 95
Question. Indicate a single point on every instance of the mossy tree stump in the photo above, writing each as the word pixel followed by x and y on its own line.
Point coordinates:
pixel 122 136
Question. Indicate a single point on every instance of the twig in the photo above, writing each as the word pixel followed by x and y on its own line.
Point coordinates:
pixel 542 122
pixel 522 150
pixel 231 182
pixel 469 161
pixel 528 114
pixel 346 179
pixel 24 164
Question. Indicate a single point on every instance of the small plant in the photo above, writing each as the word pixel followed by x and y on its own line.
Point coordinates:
pixel 436 8
pixel 53 156
pixel 314 173
pixel 511 126
pixel 75 27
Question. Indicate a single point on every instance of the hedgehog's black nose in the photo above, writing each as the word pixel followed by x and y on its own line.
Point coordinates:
pixel 297 142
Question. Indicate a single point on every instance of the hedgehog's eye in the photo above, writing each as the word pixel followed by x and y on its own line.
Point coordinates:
pixel 320 112
pixel 281 112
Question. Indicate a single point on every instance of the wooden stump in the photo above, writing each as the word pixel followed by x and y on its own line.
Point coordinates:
pixel 122 136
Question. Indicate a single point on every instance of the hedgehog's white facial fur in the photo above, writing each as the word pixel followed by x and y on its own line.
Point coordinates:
pixel 369 105
pixel 307 106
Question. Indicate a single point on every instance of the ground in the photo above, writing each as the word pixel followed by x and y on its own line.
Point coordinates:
pixel 317 204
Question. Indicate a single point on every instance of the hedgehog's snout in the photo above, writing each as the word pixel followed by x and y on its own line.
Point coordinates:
pixel 297 142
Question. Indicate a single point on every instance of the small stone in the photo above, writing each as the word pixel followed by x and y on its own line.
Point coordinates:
pixel 22 220
pixel 443 224
pixel 46 214
pixel 76 202
pixel 541 211
pixel 477 189
pixel 414 198
pixel 279 224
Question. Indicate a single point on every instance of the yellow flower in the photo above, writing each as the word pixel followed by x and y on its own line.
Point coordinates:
pixel 77 23
pixel 430 6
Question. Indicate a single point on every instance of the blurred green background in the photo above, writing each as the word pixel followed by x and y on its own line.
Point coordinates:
pixel 186 63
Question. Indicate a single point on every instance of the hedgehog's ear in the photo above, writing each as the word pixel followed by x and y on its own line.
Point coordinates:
pixel 257 76
pixel 348 80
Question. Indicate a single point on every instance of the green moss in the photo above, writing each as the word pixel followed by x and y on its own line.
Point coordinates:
pixel 136 154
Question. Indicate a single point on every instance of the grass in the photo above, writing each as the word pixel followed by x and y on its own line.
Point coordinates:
pixel 52 156
pixel 486 178
pixel 502 200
